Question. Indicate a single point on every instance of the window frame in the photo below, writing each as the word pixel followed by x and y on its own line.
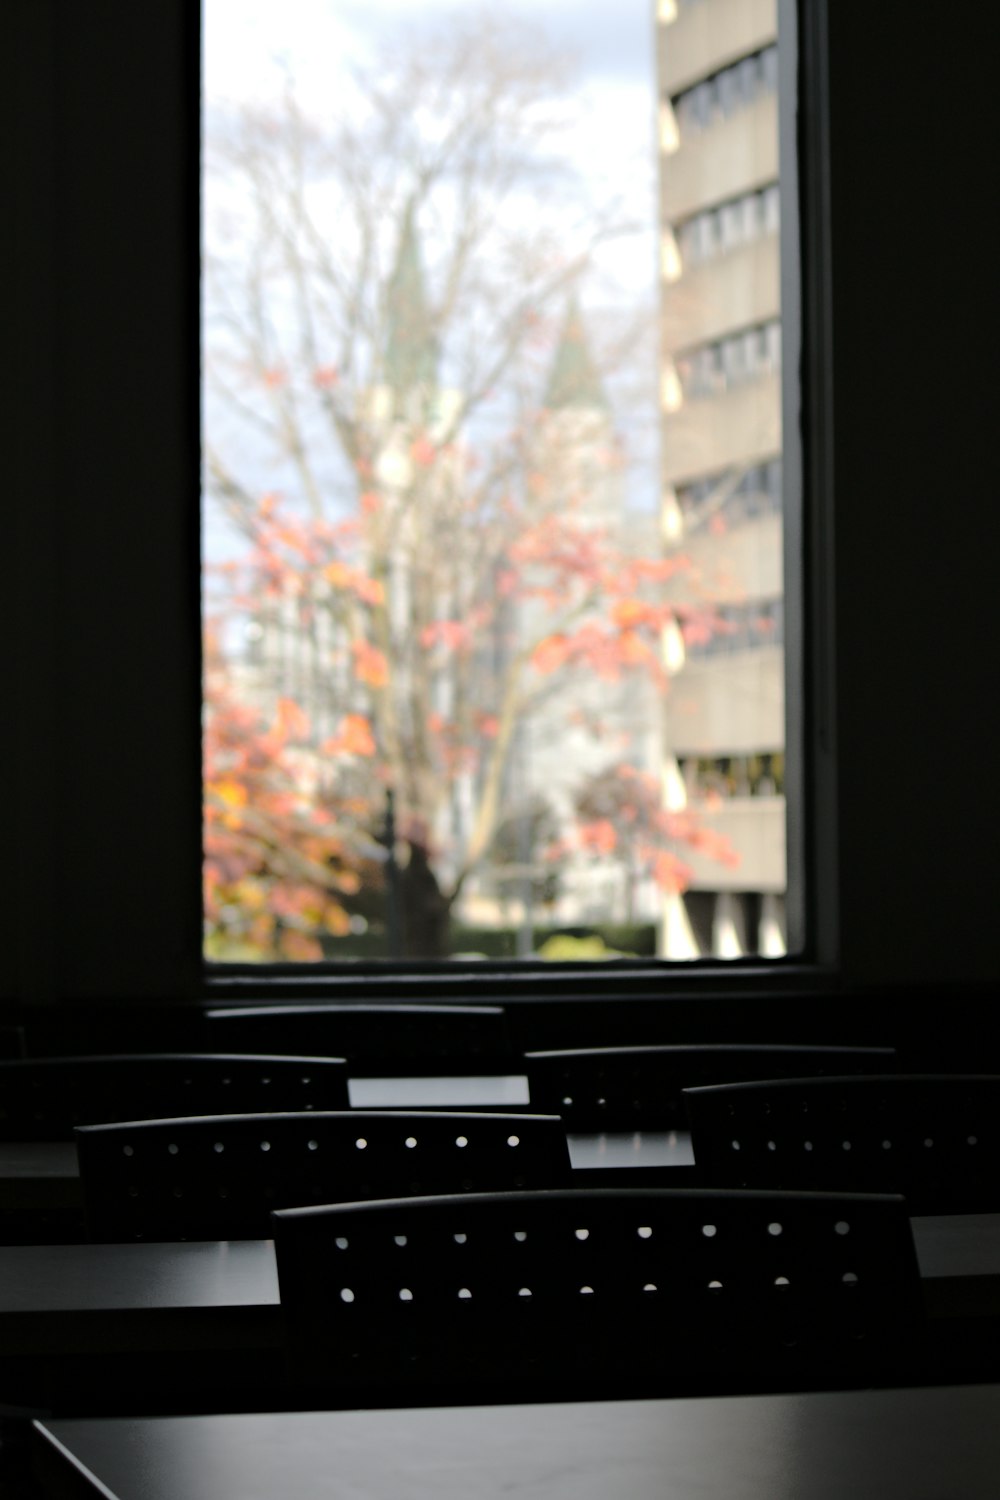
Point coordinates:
pixel 105 341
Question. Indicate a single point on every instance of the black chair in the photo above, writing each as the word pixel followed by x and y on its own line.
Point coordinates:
pixel 935 1138
pixel 44 1098
pixel 577 1293
pixel 219 1177
pixel 426 1038
pixel 633 1088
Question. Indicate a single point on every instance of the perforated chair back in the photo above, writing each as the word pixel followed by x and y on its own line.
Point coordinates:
pixel 589 1292
pixel 425 1037
pixel 628 1088
pixel 44 1098
pixel 935 1138
pixel 218 1178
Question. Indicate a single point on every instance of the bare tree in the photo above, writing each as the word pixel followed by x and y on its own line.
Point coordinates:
pixel 432 559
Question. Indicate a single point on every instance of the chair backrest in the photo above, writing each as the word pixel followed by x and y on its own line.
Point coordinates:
pixel 935 1138
pixel 604 1289
pixel 626 1088
pixel 427 1037
pixel 44 1098
pixel 219 1177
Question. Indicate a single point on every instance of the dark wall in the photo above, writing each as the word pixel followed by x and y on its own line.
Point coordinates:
pixel 103 792
pixel 912 136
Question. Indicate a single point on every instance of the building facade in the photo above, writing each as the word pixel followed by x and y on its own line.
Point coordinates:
pixel 720 422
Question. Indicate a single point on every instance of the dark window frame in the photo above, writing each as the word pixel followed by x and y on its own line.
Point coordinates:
pixel 103 760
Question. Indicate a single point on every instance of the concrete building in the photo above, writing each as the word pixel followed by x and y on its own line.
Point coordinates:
pixel 721 462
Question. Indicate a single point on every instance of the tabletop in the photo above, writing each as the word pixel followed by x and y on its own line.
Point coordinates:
pixel 931 1443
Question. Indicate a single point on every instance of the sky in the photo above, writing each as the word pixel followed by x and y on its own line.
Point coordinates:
pixel 613 37
pixel 252 46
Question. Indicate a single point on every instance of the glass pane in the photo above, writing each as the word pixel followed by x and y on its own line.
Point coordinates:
pixel 492 520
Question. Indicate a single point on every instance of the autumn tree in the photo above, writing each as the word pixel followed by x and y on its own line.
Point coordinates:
pixel 411 435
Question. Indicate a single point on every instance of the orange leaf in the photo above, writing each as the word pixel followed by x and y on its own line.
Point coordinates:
pixel 629 612
pixel 599 837
pixel 232 793
pixel 355 738
pixel 670 874
pixel 290 722
pixel 550 654
pixel 370 666
pixel 357 735
pixel 368 589
pixel 336 921
pixel 300 948
pixel 632 648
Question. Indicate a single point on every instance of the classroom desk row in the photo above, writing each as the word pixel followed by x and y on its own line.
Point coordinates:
pixel 42 1178
pixel 203 1284
pixel 102 1329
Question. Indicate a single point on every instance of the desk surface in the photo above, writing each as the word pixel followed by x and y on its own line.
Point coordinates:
pixel 917 1444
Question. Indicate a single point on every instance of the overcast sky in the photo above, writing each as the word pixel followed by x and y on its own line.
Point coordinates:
pixel 251 46
pixel 248 41
pixel 613 38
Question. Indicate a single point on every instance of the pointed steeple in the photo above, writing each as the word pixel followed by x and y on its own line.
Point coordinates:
pixel 411 349
pixel 574 381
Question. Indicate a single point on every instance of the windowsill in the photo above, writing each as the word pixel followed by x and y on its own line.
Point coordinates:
pixel 523 981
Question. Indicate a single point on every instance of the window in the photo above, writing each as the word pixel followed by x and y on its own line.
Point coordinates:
pixel 102 750
pixel 727 92
pixel 437 598
pixel 723 227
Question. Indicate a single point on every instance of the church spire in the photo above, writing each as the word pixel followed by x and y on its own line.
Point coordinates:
pixel 574 381
pixel 411 348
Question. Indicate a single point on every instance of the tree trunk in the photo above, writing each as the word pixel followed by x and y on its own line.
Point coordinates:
pixel 426 910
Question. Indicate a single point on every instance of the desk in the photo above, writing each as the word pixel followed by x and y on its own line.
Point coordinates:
pixel 915 1444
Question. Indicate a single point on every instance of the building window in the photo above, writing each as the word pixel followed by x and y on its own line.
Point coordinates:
pixel 727 92
pixel 737 221
pixel 731 361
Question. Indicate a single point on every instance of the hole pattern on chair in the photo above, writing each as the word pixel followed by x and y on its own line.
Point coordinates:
pixel 637 1280
pixel 44 1098
pixel 621 1088
pixel 232 1170
pixel 912 1134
